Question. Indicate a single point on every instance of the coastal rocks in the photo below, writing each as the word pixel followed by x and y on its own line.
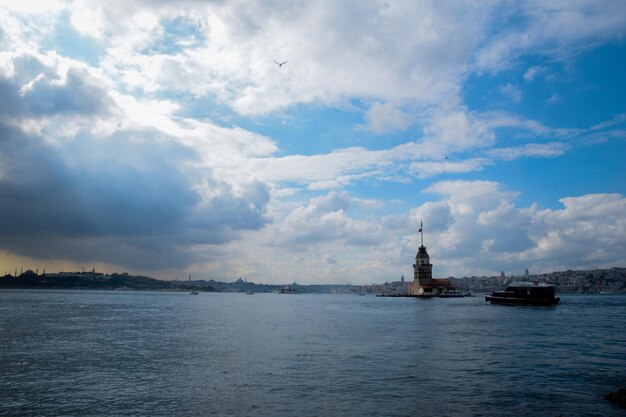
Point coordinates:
pixel 618 397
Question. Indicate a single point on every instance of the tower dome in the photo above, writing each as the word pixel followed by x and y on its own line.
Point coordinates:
pixel 422 256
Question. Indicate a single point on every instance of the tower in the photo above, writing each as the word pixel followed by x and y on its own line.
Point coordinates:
pixel 422 268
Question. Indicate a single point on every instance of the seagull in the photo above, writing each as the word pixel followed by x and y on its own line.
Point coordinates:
pixel 280 64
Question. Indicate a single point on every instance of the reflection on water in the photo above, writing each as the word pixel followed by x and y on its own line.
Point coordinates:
pixel 160 353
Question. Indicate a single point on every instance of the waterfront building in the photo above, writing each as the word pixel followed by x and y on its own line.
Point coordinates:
pixel 423 284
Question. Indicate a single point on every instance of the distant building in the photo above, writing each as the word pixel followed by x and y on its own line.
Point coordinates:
pixel 423 284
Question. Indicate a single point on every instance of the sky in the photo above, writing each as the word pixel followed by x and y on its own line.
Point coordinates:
pixel 162 138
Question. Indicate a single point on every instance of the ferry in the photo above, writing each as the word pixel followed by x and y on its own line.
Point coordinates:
pixel 288 290
pixel 525 293
pixel 453 293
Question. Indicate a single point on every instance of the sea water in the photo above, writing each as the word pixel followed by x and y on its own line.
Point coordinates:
pixel 92 353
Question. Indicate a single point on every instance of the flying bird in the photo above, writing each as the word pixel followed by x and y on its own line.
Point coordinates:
pixel 280 64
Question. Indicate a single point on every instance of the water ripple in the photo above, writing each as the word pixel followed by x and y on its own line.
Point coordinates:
pixel 80 353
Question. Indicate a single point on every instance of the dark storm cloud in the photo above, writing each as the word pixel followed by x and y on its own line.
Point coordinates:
pixel 10 100
pixel 77 93
pixel 97 193
pixel 126 199
pixel 238 212
pixel 137 200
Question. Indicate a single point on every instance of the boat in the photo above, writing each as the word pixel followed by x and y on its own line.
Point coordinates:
pixel 249 292
pixel 452 294
pixel 288 290
pixel 194 292
pixel 525 293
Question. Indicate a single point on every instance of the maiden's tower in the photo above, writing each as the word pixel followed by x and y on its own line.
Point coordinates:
pixel 423 284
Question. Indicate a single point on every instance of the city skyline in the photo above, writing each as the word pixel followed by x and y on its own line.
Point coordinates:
pixel 306 141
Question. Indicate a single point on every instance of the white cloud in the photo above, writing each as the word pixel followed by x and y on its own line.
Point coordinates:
pixel 471 197
pixel 475 228
pixel 325 220
pixel 585 224
pixel 553 99
pixel 31 6
pixel 552 28
pixel 616 120
pixel 432 169
pixel 457 131
pixel 543 150
pixel 26 24
pixel 511 91
pixel 500 120
pixel 88 19
pixel 533 72
pixel 413 52
pixel 383 118
pixel 486 231
pixel 333 169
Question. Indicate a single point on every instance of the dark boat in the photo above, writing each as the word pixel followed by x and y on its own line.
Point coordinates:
pixel 525 293
pixel 452 294
pixel 288 290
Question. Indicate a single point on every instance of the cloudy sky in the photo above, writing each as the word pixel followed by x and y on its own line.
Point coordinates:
pixel 162 138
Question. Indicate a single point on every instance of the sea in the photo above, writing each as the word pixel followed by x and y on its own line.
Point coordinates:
pixel 132 353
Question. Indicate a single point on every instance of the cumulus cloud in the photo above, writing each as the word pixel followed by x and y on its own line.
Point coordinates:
pixel 147 203
pixel 437 215
pixel 140 188
pixel 116 161
pixel 457 131
pixel 233 46
pixel 37 86
pixel 472 228
pixel 486 231
pixel 27 24
pixel 128 182
pixel 589 230
pixel 383 118
pixel 414 53
pixel 325 219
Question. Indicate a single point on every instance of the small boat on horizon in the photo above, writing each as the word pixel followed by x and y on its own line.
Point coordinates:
pixel 289 289
pixel 452 294
pixel 194 292
pixel 525 293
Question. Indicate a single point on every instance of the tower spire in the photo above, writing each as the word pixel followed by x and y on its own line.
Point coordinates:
pixel 421 232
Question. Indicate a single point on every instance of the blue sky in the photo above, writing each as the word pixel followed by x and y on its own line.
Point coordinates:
pixel 161 137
